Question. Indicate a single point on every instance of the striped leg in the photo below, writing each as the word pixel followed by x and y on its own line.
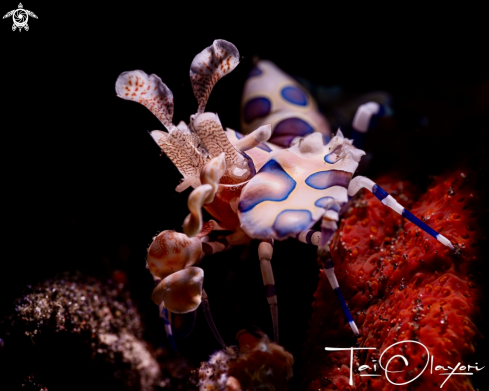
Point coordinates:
pixel 321 239
pixel 328 228
pixel 362 182
pixel 208 248
pixel 265 252
pixel 309 236
pixel 165 315
pixel 333 211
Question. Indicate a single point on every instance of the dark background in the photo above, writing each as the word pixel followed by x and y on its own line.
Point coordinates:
pixel 84 186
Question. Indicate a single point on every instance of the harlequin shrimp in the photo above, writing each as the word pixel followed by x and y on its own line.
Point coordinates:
pixel 253 188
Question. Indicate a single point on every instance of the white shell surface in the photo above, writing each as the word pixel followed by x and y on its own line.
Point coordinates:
pixel 272 96
pixel 209 66
pixel 287 194
pixel 150 91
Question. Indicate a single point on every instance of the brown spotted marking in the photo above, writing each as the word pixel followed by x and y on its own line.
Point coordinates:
pixel 207 68
pixel 169 253
pixel 166 243
pixel 130 86
pixel 158 248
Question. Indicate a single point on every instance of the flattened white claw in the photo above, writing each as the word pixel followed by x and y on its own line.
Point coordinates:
pixel 150 91
pixel 200 120
pixel 209 128
pixel 209 66
pixel 282 99
pixel 177 153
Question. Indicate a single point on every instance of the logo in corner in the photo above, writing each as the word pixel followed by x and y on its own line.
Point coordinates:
pixel 20 16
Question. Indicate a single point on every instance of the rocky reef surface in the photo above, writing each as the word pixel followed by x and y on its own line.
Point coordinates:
pixel 76 332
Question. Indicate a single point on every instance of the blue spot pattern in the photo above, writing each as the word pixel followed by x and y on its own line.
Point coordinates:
pixel 258 194
pixel 292 126
pixel 294 95
pixel 292 221
pixel 255 71
pixel 323 179
pixel 256 108
pixel 332 157
pixel 321 203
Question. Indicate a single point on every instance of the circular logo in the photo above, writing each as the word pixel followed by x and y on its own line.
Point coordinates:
pixel 20 17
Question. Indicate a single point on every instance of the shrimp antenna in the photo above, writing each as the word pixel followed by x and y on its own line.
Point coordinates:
pixel 208 315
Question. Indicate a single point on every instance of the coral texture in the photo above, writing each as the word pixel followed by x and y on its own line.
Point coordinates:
pixel 258 364
pixel 401 284
pixel 76 332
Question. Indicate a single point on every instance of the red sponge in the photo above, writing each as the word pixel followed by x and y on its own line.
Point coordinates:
pixel 402 284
